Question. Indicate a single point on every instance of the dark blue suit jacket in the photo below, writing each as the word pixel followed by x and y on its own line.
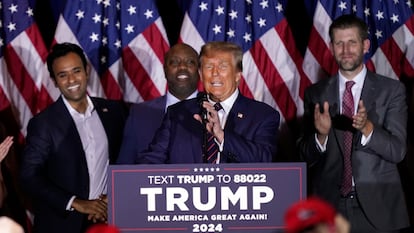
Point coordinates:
pixel 143 121
pixel 54 166
pixel 250 134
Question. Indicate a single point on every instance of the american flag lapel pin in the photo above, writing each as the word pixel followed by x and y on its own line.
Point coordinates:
pixel 240 115
pixel 105 110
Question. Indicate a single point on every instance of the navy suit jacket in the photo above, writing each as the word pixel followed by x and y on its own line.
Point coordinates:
pixel 250 134
pixel 374 165
pixel 143 121
pixel 54 166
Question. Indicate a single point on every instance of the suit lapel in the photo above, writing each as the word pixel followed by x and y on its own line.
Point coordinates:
pixel 159 105
pixel 332 94
pixel 66 124
pixel 237 113
pixel 65 121
pixel 194 128
pixel 367 95
pixel 368 91
pixel 102 111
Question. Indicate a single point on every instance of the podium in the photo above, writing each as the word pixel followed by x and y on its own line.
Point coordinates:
pixel 173 198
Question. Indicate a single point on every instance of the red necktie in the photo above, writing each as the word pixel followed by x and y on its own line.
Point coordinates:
pixel 348 111
pixel 212 147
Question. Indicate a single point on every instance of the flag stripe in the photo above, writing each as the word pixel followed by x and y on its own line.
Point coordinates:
pixel 4 102
pixel 143 83
pixel 35 66
pixel 393 55
pixel 21 77
pixel 380 63
pixel 320 50
pixel 408 36
pixel 274 82
pixel 296 57
pixel 244 88
pixel 153 35
pixel 12 96
pixel 270 73
pixel 255 84
pixel 189 33
pixel 124 42
pixel 110 86
pixel 36 39
pixel 390 29
pixel 26 87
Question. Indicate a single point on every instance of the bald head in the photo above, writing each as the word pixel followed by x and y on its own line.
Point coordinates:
pixel 181 70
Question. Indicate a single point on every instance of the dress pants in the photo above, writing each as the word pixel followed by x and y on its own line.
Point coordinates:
pixel 350 208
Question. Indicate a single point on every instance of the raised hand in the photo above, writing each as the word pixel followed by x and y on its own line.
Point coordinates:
pixel 322 121
pixel 5 147
pixel 360 120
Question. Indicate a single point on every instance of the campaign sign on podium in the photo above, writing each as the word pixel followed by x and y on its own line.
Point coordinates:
pixel 250 197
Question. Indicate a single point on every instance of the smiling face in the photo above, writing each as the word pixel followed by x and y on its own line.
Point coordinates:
pixel 71 78
pixel 348 49
pixel 180 67
pixel 219 74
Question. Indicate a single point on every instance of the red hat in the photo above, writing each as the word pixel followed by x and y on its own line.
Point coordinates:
pixel 307 213
pixel 102 228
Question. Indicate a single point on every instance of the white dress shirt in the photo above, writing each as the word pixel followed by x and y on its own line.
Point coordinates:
pixel 223 113
pixel 95 145
pixel 356 93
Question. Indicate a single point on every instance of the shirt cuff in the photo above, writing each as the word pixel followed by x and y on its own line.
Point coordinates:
pixel 220 145
pixel 365 140
pixel 69 205
pixel 321 147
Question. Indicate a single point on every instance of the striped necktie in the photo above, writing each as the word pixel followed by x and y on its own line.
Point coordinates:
pixel 212 147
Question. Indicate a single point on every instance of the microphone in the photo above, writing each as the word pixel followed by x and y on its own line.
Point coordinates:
pixel 201 97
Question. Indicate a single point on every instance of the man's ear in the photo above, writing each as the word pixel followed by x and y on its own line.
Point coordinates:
pixel 238 77
pixel 200 75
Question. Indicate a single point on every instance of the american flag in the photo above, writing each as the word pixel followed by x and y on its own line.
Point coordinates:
pixel 25 86
pixel 391 28
pixel 272 66
pixel 125 42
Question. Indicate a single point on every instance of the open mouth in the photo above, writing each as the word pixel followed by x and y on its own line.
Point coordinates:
pixel 74 87
pixel 182 76
pixel 216 84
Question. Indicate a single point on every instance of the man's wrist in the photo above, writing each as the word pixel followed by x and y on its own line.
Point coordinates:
pixel 69 206
pixel 366 131
pixel 220 137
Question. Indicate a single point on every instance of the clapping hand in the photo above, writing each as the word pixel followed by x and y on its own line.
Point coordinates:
pixel 5 147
